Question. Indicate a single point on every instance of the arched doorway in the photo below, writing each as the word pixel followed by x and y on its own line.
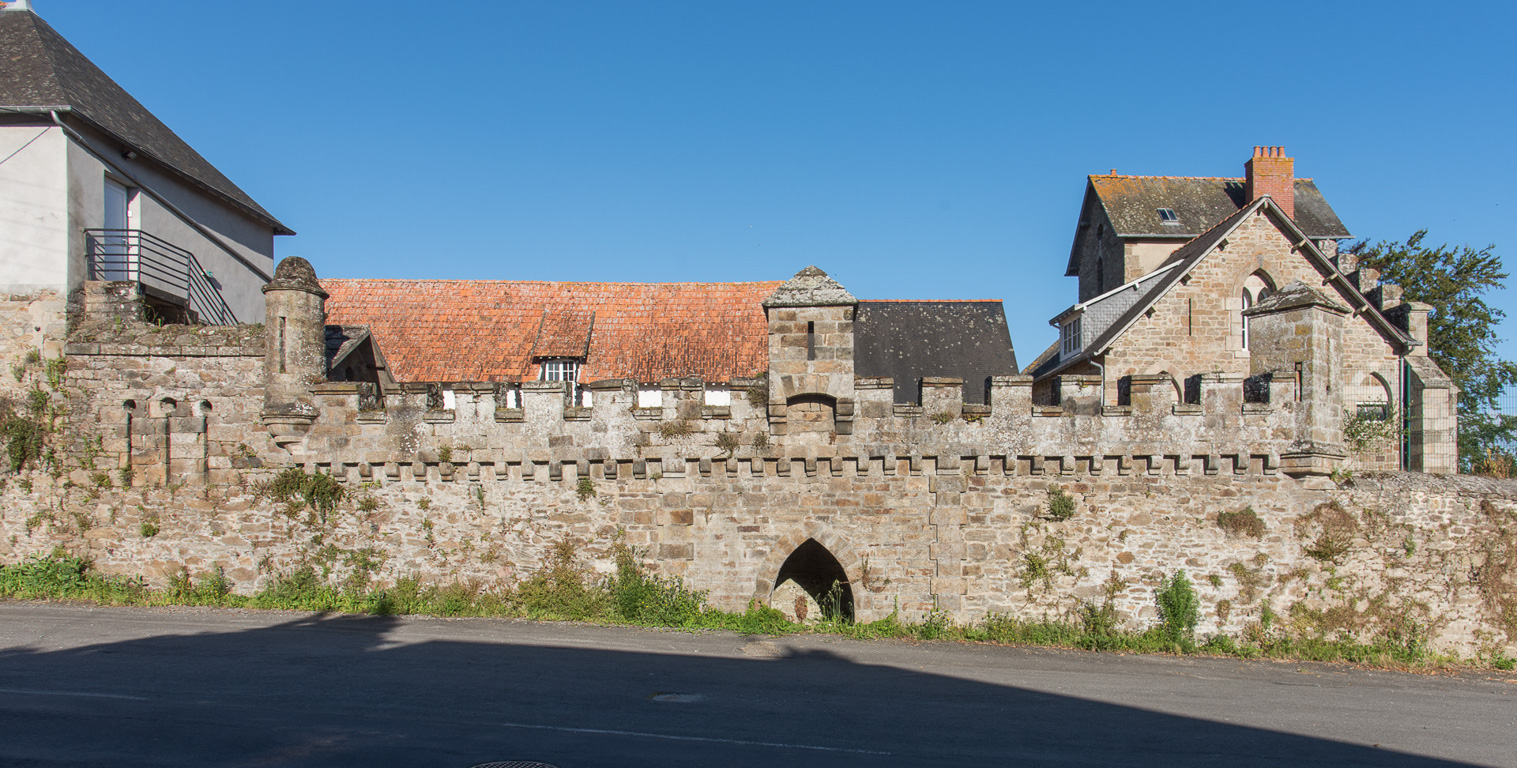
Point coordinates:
pixel 819 574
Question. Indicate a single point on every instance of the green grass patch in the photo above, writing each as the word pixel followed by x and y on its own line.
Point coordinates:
pixel 565 588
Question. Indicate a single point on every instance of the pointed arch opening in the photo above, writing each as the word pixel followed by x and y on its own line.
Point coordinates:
pixel 1256 288
pixel 819 574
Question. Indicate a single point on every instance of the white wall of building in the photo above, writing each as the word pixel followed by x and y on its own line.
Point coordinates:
pixel 241 234
pixel 33 221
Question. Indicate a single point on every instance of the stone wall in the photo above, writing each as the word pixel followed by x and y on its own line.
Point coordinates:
pixel 31 325
pixel 170 405
pixel 911 534
pixel 166 434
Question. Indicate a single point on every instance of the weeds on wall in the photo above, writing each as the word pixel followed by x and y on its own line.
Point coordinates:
pixel 319 491
pixel 1244 523
pixel 727 443
pixel 673 429
pixel 1179 608
pixel 1335 529
pixel 585 489
pixel 1367 432
pixel 1497 464
pixel 1061 506
pixel 758 392
pixel 566 588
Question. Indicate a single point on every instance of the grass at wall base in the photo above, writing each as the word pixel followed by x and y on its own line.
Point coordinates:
pixel 565 590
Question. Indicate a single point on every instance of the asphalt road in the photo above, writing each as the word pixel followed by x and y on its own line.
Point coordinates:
pixel 190 687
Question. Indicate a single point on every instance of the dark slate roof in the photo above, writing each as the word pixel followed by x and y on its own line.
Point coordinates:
pixel 1191 253
pixel 41 70
pixel 1042 362
pixel 341 340
pixel 908 340
pixel 1132 205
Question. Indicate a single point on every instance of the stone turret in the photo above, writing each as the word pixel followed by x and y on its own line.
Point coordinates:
pixel 810 355
pixel 1297 334
pixel 295 361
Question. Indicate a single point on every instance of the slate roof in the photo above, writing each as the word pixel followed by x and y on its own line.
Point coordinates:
pixel 492 330
pixel 341 340
pixel 908 340
pixel 1132 205
pixel 1190 254
pixel 39 70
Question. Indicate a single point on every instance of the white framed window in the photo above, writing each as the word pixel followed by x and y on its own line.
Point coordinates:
pixel 560 370
pixel 1069 336
pixel 718 395
pixel 650 396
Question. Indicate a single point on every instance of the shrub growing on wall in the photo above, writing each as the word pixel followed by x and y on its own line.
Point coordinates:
pixel 1061 506
pixel 1179 609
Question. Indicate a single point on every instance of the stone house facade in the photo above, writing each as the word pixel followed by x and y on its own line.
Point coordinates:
pixel 1191 318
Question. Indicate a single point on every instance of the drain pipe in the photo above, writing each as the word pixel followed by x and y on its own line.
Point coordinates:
pixel 1102 368
pixel 174 209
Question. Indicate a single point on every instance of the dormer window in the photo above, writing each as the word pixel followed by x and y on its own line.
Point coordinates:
pixel 560 369
pixel 1069 337
pixel 1168 216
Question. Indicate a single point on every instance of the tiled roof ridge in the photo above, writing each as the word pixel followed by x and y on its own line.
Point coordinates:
pixel 1180 178
pixel 926 301
pixel 472 281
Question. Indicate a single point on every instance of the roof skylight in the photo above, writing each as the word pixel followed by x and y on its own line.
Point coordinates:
pixel 1167 216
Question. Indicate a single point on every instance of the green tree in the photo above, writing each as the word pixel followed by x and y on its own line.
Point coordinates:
pixel 1461 329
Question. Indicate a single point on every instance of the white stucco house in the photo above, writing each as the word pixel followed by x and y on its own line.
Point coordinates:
pixel 93 187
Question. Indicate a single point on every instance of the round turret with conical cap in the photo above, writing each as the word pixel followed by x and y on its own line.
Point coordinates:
pixel 296 359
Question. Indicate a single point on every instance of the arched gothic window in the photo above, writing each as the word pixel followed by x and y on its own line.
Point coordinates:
pixel 1256 288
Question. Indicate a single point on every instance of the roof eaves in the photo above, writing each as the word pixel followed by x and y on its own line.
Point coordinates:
pixel 257 213
pixel 1366 307
pixel 1072 269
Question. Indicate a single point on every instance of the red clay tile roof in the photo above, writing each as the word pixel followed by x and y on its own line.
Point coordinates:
pixel 491 330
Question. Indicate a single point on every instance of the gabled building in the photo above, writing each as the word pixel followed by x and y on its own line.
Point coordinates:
pixel 1130 225
pixel 94 189
pixel 1255 306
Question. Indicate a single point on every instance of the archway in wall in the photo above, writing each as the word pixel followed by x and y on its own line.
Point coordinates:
pixel 811 414
pixel 816 571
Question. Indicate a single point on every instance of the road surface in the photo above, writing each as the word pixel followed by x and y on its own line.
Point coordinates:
pixel 83 685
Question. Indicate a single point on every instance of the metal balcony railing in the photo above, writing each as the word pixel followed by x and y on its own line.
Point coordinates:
pixel 160 266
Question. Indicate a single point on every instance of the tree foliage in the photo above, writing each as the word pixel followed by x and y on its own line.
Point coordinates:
pixel 1462 333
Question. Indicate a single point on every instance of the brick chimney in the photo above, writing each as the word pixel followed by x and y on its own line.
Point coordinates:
pixel 1270 172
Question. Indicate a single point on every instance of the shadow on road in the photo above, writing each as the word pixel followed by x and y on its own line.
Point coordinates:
pixel 340 690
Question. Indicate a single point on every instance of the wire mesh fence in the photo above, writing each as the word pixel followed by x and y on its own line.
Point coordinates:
pixel 1506 405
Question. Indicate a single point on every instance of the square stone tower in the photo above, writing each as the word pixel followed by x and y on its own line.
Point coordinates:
pixel 1297 334
pixel 810 355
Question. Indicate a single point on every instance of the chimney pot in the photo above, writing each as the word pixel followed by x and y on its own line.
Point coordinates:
pixel 1270 173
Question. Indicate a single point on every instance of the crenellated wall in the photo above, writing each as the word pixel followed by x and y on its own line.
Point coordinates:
pixel 167 433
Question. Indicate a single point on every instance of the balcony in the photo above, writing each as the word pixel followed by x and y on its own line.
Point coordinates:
pixel 167 273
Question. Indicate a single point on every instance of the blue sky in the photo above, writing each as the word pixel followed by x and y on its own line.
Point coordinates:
pixel 913 150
